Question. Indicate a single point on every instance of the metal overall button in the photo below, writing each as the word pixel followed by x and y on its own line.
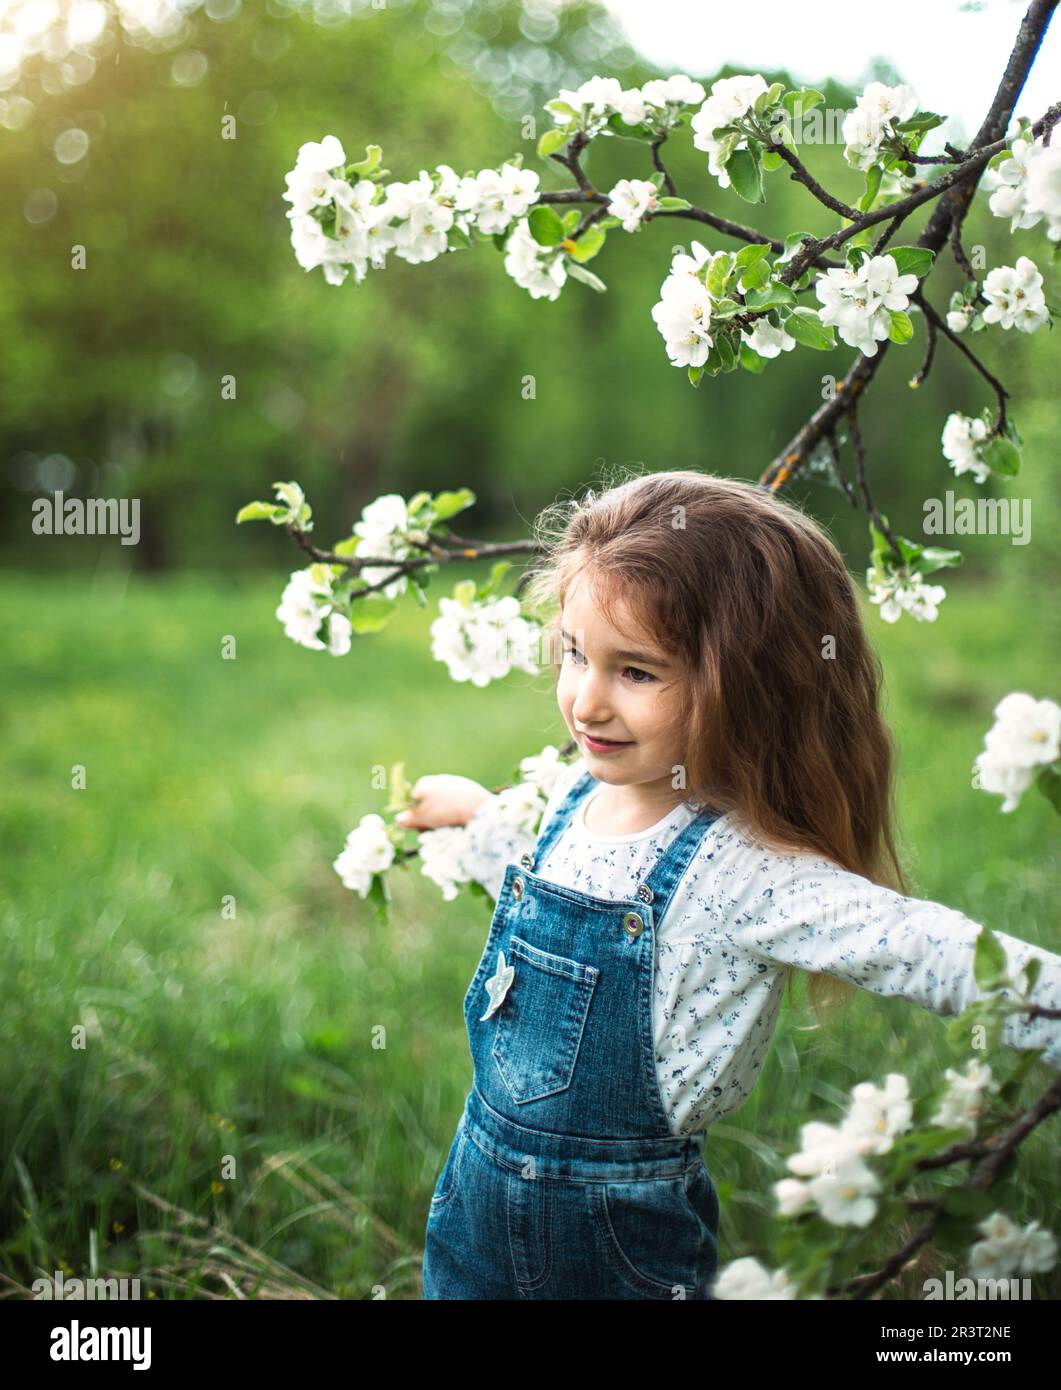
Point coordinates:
pixel 633 924
pixel 645 893
pixel 527 860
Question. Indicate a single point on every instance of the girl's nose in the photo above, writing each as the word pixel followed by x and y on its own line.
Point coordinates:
pixel 591 704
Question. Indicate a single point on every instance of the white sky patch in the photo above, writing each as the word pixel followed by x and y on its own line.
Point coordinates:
pixel 953 58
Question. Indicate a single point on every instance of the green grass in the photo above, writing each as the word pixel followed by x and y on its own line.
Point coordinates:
pixel 318 1053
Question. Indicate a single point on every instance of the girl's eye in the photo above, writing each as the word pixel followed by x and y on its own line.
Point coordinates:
pixel 647 675
pixel 636 670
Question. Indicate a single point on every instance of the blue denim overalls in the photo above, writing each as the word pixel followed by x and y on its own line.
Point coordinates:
pixel 564 1180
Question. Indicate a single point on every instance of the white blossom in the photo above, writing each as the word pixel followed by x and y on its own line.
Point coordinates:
pixel 858 301
pixel 484 641
pixel 677 90
pixel 683 312
pixel 544 769
pixel 307 600
pixel 443 858
pixel 630 199
pixel 368 851
pixel 593 103
pixel 540 270
pixel 962 437
pixel 1028 186
pixel 1026 735
pixel 311 182
pixel 731 98
pixel 1016 296
pixel 747 1279
pixel 1043 188
pixel 962 1102
pixel 844 1195
pixel 631 106
pixel 879 1114
pixel 958 319
pixel 495 197
pixel 767 340
pixel 873 119
pixel 1007 1250
pixel 380 529
pixel 899 593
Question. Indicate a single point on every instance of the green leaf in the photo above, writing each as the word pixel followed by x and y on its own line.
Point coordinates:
pixel 588 244
pixel 989 960
pixel 464 592
pixel 401 791
pixel 750 254
pixel 772 296
pixel 911 260
pixel 579 272
pixel 551 141
pixel 291 493
pixel 379 897
pixel 1002 456
pixel 745 172
pixel 371 614
pixel 874 174
pixel 771 161
pixel 726 351
pixel 726 308
pixel 259 511
pixel 347 546
pixel 695 373
pixel 901 330
pixel 793 244
pixel 674 204
pixel 545 226
pixel 751 360
pixel 806 99
pixel 718 274
pixel 932 558
pixel 368 165
pixel 807 328
pixel 447 504
pixel 572 219
pixel 497 572
pixel 556 107
pixel 921 123
pixel 1049 783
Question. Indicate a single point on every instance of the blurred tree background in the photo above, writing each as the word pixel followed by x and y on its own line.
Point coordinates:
pixel 211 780
pixel 112 382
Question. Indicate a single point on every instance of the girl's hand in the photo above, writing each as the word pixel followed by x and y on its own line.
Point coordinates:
pixel 442 798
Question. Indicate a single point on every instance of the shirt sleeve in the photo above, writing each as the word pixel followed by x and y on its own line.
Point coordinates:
pixel 808 912
pixel 495 841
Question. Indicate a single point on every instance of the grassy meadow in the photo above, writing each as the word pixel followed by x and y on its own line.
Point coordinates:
pixel 264 1100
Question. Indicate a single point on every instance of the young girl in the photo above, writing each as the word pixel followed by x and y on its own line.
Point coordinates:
pixel 728 820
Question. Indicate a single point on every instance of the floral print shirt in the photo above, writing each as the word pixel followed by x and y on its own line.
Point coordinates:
pixel 741 913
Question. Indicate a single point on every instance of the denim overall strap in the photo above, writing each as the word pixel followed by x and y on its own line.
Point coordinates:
pixel 659 887
pixel 561 817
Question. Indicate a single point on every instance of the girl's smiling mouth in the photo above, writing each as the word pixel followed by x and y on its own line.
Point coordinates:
pixel 604 745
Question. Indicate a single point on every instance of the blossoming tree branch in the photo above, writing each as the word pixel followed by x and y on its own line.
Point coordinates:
pixel 723 310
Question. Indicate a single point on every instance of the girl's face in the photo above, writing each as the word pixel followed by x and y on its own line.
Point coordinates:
pixel 616 684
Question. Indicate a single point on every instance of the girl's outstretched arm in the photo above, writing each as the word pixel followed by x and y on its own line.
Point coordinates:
pixel 800 910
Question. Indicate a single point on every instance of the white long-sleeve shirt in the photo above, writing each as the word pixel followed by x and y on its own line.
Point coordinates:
pixel 740 914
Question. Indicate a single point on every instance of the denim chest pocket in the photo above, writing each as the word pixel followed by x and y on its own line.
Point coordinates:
pixel 540 1025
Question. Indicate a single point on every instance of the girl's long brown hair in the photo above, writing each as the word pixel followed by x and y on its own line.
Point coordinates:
pixel 781 701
